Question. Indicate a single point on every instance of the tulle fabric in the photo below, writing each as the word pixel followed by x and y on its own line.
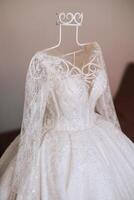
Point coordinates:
pixel 89 164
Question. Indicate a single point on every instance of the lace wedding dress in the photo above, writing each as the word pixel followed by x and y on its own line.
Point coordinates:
pixel 71 146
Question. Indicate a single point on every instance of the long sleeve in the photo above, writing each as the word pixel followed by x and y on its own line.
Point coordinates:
pixel 105 105
pixel 32 128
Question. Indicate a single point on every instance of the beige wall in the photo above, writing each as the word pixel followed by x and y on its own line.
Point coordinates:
pixel 29 25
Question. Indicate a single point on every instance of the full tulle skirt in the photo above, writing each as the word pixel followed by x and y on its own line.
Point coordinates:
pixel 90 164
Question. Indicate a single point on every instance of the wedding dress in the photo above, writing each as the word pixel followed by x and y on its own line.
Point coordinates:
pixel 71 146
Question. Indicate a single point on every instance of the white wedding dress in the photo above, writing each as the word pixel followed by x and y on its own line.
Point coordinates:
pixel 71 146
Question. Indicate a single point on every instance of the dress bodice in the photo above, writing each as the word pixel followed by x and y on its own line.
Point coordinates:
pixel 73 92
pixel 73 101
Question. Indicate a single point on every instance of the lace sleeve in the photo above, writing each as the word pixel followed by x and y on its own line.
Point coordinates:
pixel 32 128
pixel 105 105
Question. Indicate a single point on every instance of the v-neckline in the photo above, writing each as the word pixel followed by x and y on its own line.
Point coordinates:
pixel 94 46
pixel 68 71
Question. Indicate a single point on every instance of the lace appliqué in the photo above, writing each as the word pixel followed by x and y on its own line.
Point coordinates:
pixel 60 68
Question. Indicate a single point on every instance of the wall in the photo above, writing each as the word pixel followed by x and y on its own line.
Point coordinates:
pixel 29 25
